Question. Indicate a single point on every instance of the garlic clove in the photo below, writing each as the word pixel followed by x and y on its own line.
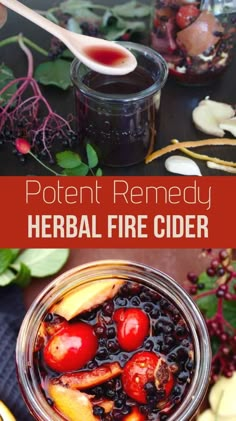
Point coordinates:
pixel 221 167
pixel 205 121
pixel 182 165
pixel 229 125
pixel 222 397
pixel 3 15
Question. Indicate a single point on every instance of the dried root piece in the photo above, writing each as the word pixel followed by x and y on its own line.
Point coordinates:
pixel 229 125
pixel 192 144
pixel 209 115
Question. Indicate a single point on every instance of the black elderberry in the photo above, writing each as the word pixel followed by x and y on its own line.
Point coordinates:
pixel 111 332
pixel 135 301
pixel 49 318
pixel 150 388
pixel 183 377
pixel 121 301
pixel 108 308
pixel 180 330
pixel 110 393
pixel 98 411
pixel 119 403
pixel 102 354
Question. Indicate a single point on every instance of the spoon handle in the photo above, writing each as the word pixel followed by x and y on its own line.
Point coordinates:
pixel 34 17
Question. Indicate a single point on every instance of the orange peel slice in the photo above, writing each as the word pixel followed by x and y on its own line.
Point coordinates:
pixel 72 404
pixel 183 146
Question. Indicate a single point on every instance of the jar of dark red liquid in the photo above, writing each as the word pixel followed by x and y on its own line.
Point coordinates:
pixel 118 114
pixel 195 37
pixel 113 341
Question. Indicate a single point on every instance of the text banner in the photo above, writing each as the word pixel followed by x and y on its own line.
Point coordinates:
pixel 107 212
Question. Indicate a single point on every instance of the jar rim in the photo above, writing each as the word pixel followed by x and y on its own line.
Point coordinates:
pixel 151 90
pixel 131 271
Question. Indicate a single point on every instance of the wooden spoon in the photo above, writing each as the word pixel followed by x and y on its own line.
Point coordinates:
pixel 102 56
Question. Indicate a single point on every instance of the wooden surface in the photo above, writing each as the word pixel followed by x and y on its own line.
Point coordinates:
pixel 177 104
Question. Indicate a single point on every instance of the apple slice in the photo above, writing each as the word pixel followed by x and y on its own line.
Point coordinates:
pixel 86 297
pixel 222 397
pixel 71 404
pixel 208 415
pixel 86 379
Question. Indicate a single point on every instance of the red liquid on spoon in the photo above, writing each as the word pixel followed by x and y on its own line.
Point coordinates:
pixel 106 55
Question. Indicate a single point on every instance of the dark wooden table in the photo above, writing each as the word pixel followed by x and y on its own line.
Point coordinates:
pixel 175 115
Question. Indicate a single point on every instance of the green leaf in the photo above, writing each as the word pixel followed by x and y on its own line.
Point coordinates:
pixel 72 7
pixel 112 33
pixel 208 281
pixel 74 26
pixel 98 172
pixel 6 76
pixel 229 311
pixel 7 277
pixel 68 159
pixel 50 16
pixel 120 27
pixel 23 276
pixel 92 156
pixel 84 14
pixel 82 169
pixel 208 305
pixel 56 72
pixel 43 262
pixel 67 54
pixel 215 344
pixel 15 253
pixel 6 256
pixel 132 10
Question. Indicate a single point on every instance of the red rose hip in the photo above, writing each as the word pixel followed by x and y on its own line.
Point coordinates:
pixel 142 368
pixel 71 347
pixel 132 327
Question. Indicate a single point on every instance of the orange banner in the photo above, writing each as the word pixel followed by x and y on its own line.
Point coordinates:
pixel 107 212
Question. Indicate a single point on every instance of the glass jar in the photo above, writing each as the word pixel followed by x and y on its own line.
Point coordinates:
pixel 118 114
pixel 195 38
pixel 117 270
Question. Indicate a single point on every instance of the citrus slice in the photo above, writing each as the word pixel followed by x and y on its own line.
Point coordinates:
pixel 86 297
pixel 5 413
pixel 72 404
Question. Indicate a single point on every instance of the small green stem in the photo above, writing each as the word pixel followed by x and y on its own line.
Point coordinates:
pixel 15 39
pixel 44 165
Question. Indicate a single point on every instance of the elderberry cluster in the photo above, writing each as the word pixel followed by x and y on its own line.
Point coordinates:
pixel 10 136
pixel 223 294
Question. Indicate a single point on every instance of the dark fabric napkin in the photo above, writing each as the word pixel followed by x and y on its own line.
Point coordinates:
pixel 11 315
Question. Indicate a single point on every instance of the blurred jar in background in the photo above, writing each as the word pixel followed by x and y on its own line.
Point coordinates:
pixel 196 38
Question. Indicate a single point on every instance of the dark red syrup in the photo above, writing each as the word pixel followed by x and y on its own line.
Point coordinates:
pixel 122 134
pixel 106 55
